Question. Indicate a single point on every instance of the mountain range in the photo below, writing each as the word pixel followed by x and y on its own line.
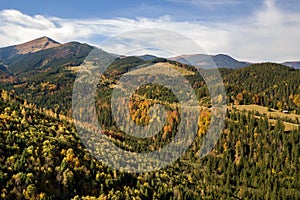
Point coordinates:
pixel 47 54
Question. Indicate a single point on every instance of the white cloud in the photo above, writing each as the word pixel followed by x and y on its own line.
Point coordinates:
pixel 23 28
pixel 270 34
pixel 270 3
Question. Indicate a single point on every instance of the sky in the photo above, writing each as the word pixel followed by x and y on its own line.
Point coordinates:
pixel 255 31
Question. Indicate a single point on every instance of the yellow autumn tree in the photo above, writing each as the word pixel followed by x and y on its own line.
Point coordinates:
pixel 203 122
pixel 296 100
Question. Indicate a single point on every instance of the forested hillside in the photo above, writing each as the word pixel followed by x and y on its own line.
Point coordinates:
pixel 267 84
pixel 42 156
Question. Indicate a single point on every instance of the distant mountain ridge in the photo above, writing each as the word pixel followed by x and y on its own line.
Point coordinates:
pixel 221 61
pixel 33 76
pixel 294 64
pixel 211 61
pixel 147 57
pixel 43 53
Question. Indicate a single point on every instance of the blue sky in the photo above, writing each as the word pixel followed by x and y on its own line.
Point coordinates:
pixel 177 9
pixel 258 30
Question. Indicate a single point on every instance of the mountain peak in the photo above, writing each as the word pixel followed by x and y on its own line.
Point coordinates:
pixel 36 45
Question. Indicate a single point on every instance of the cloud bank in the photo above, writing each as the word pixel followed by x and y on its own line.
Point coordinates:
pixel 269 34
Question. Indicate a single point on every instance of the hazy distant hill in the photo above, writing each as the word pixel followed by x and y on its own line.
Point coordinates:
pixel 147 57
pixel 210 61
pixel 294 64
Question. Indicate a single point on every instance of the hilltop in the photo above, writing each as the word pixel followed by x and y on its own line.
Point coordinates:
pixel 42 54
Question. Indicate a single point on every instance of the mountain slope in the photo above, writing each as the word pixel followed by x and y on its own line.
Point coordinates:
pixel 27 47
pixel 42 54
pixel 6 76
pixel 42 157
pixel 267 84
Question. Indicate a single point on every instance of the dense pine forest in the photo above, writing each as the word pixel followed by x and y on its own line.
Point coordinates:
pixel 267 84
pixel 42 157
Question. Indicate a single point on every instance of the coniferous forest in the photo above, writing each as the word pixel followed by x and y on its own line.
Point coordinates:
pixel 42 156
